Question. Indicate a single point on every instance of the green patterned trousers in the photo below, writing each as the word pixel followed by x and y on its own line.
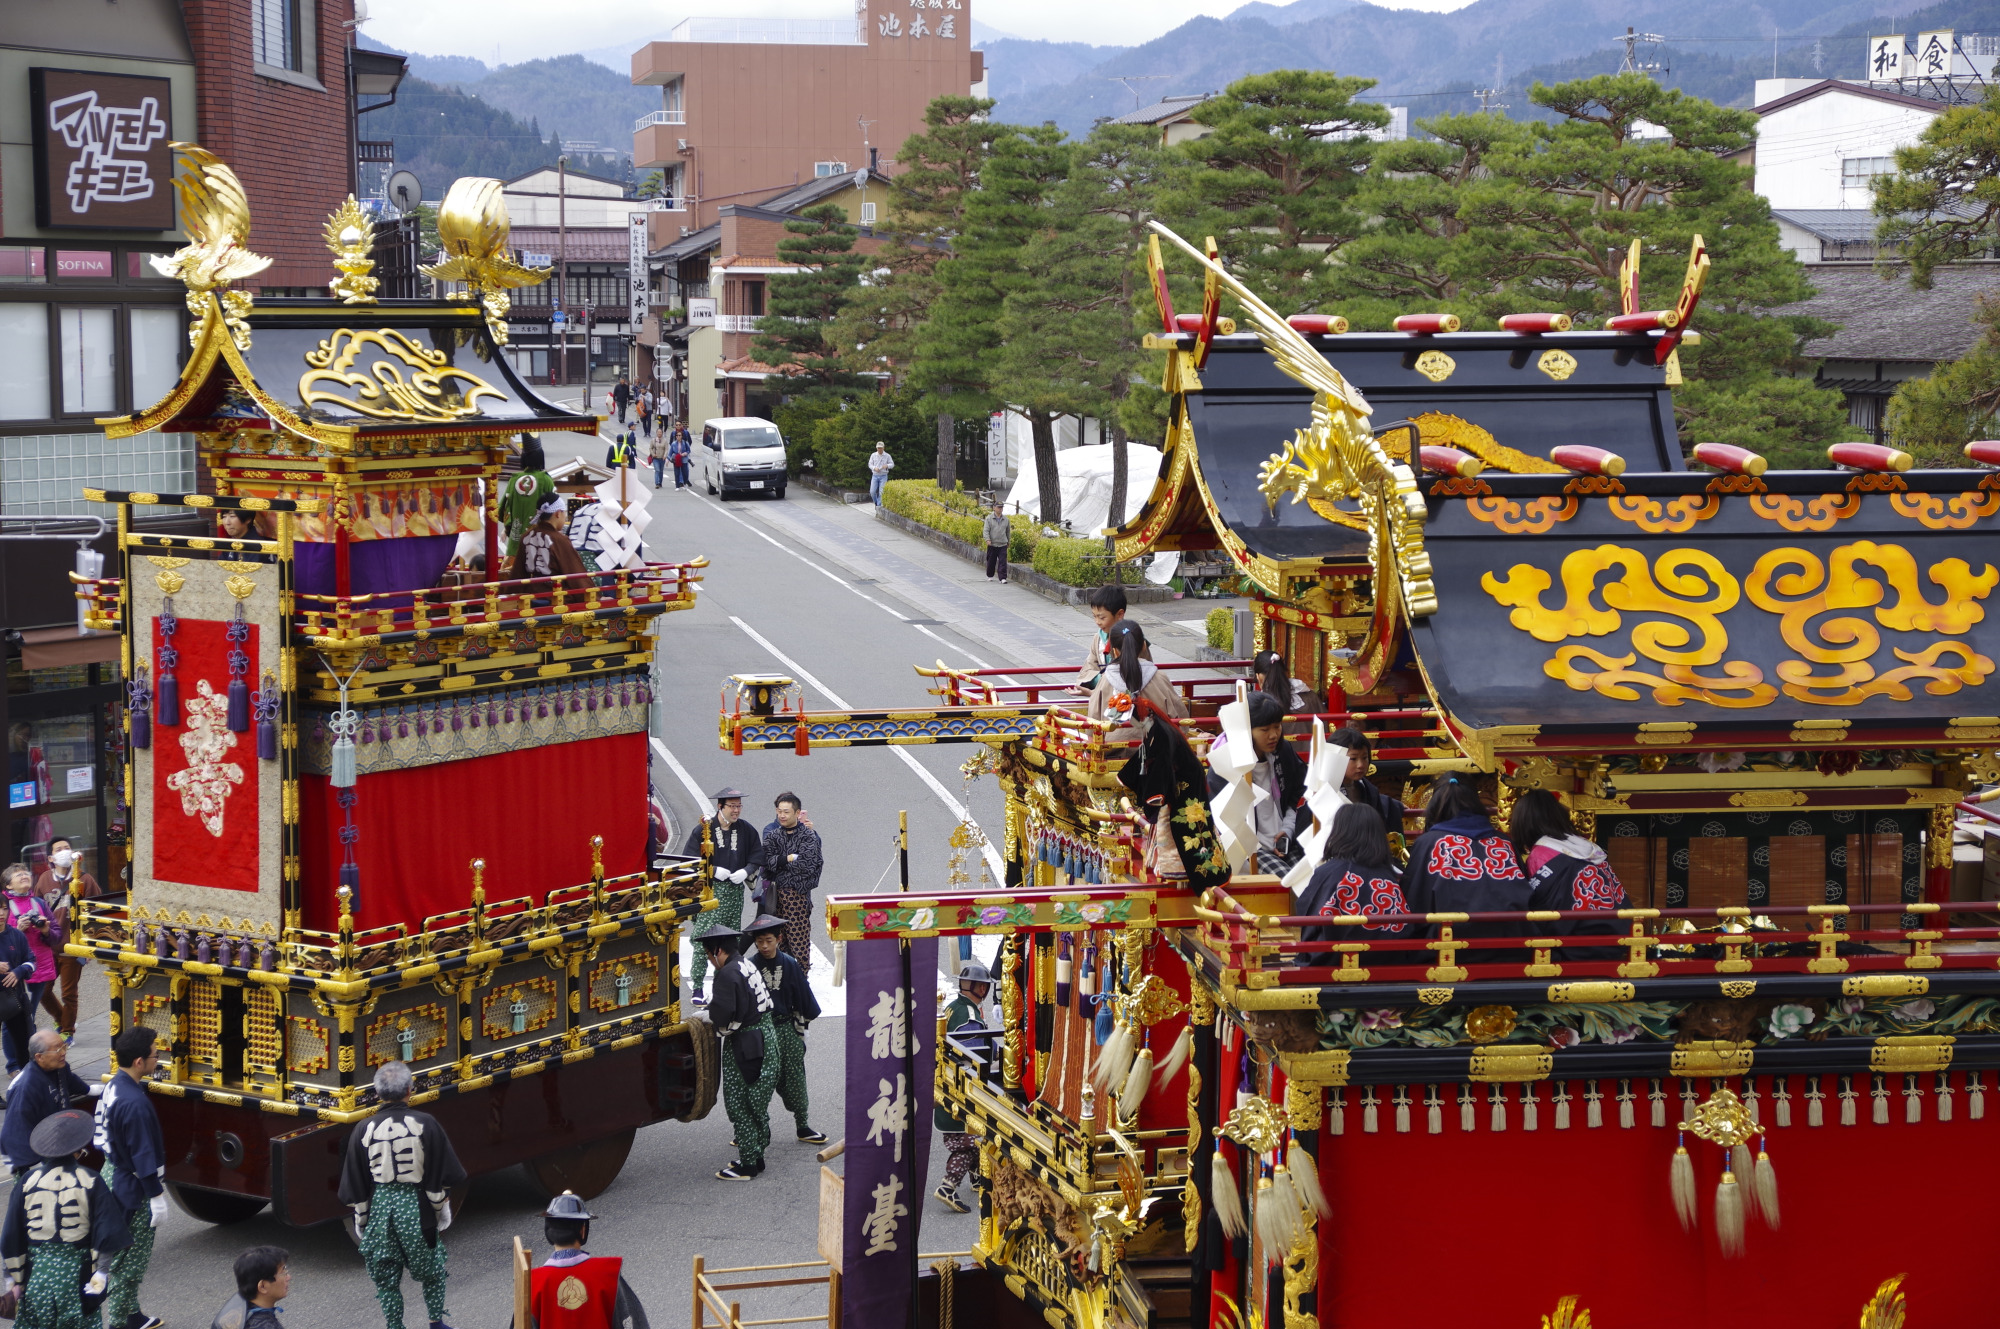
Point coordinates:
pixel 728 912
pixel 792 1073
pixel 128 1267
pixel 53 1298
pixel 749 1103
pixel 394 1241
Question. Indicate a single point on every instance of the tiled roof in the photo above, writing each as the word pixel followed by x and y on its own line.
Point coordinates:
pixel 594 244
pixel 1167 108
pixel 1825 86
pixel 812 191
pixel 1888 320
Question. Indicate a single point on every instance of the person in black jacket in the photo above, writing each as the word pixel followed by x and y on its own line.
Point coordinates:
pixel 397 1175
pixel 1463 863
pixel 736 857
pixel 741 1013
pixel 1567 872
pixel 793 1007
pixel 45 1088
pixel 1358 877
pixel 61 1222
pixel 1355 785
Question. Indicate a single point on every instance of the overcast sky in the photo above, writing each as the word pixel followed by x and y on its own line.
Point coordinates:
pixel 506 31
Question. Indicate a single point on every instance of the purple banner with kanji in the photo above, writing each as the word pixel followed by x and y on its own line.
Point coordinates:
pixel 891 1068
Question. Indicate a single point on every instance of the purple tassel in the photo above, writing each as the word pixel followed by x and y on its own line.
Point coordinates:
pixel 541 708
pixel 181 946
pixel 457 719
pixel 204 953
pixel 170 701
pixel 142 726
pixel 590 700
pixel 510 710
pixel 267 959
pixel 474 717
pixel 163 943
pixel 402 725
pixel 267 740
pixel 139 938
pixel 645 694
pixel 625 695
pixel 239 706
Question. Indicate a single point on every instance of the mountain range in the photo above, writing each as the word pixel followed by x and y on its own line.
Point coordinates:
pixel 1433 62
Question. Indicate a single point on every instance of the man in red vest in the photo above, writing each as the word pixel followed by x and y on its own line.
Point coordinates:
pixel 575 1289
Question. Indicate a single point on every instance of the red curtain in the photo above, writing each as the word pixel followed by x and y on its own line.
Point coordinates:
pixel 530 814
pixel 1523 1218
pixel 205 800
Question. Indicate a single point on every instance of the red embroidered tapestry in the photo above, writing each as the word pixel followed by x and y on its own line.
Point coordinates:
pixel 205 777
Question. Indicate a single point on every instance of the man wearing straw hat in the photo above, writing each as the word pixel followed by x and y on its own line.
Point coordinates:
pixel 741 1013
pixel 793 1007
pixel 60 1217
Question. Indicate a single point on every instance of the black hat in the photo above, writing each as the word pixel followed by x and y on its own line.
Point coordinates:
pixel 714 935
pixel 61 1135
pixel 765 923
pixel 569 1208
pixel 728 792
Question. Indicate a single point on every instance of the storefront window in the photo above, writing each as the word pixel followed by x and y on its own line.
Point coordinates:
pixel 89 361
pixel 18 264
pixel 66 767
pixel 24 361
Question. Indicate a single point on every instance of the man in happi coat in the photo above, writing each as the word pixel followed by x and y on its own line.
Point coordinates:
pixel 736 857
pixel 793 1007
pixel 60 1218
pixel 574 1289
pixel 135 1168
pixel 741 1013
pixel 43 1088
pixel 523 494
pixel 967 1010
pixel 397 1176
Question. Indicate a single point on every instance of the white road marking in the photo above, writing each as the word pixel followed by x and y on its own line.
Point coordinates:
pixel 799 672
pixel 822 571
pixel 681 772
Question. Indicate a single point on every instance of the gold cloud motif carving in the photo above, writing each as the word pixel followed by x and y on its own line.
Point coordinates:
pixel 381 390
pixel 1680 597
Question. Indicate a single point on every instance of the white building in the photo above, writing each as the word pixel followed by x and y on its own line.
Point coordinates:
pixel 535 199
pixel 1820 145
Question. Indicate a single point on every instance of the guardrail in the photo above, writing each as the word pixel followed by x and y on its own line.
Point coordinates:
pixel 659 118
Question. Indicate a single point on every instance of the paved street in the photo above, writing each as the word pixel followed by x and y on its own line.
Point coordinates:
pixel 803 587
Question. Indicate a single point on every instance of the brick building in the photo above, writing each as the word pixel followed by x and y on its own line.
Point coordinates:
pixel 91 93
pixel 751 107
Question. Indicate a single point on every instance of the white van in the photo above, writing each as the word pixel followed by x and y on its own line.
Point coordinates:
pixel 741 454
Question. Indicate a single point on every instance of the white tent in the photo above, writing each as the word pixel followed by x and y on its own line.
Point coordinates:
pixel 1084 477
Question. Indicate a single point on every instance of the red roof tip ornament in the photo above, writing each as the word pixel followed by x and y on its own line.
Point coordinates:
pixel 1643 321
pixel 1869 457
pixel 1450 461
pixel 1587 460
pixel 1530 324
pixel 1318 325
pixel 1423 325
pixel 1727 457
pixel 1984 451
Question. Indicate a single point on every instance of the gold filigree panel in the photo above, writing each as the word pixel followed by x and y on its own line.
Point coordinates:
pixel 629 981
pixel 415 1034
pixel 310 1046
pixel 524 1007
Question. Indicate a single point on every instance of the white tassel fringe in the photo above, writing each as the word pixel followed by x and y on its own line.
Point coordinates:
pixel 1767 1190
pixel 1177 1056
pixel 1683 1182
pixel 1224 1196
pixel 1729 1216
pixel 1305 1176
pixel 1137 1081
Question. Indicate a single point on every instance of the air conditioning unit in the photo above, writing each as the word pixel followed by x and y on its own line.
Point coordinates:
pixel 683 144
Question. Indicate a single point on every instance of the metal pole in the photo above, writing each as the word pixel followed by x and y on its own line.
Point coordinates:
pixel 562 263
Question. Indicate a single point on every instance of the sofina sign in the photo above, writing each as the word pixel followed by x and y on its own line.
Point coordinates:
pixel 101 155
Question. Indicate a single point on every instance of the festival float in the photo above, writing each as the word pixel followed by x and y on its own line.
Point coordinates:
pixel 1766 694
pixel 346 847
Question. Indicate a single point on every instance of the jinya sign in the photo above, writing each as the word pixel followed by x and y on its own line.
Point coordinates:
pixel 101 154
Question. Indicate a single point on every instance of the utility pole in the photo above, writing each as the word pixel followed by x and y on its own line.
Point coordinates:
pixel 562 265
pixel 1489 99
pixel 1633 64
pixel 1138 98
pixel 865 164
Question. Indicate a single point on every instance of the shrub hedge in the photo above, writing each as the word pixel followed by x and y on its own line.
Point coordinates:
pixel 957 514
pixel 1221 629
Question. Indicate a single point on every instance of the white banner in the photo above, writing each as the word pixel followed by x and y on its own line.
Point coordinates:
pixel 638 276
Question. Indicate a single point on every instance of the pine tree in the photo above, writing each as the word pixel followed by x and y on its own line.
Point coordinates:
pixel 1943 206
pixel 956 352
pixel 1417 258
pixel 1277 175
pixel 1071 334
pixel 792 335
pixel 1550 224
pixel 876 331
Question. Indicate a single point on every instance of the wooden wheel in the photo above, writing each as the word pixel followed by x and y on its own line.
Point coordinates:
pixel 587 1169
pixel 214 1206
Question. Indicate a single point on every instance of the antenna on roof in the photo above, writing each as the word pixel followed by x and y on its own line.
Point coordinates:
pixel 1138 99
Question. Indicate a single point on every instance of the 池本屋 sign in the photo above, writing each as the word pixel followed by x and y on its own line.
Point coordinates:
pixel 101 155
pixel 636 258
